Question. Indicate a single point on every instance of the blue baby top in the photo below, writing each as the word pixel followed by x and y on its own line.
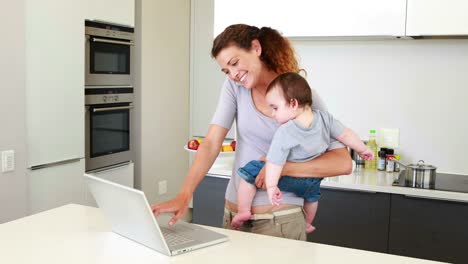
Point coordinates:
pixel 293 142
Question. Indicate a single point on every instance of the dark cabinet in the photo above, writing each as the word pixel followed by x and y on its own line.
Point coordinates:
pixel 381 222
pixel 429 229
pixel 354 219
pixel 208 201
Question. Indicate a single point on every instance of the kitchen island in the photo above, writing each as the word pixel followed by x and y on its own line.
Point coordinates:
pixel 81 234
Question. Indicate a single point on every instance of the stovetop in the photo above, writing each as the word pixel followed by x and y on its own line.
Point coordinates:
pixel 451 182
pixel 443 182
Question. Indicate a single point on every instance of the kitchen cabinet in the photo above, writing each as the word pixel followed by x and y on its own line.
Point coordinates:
pixel 55 102
pixel 122 174
pixel 54 81
pixel 437 17
pixel 114 11
pixel 354 219
pixel 316 18
pixel 55 186
pixel 429 229
pixel 208 201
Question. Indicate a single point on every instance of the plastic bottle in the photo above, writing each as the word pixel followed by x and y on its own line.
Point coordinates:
pixel 372 144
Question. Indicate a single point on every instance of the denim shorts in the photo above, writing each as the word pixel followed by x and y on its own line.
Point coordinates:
pixel 307 188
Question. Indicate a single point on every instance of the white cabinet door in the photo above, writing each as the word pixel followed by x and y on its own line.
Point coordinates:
pixel 54 80
pixel 114 11
pixel 119 174
pixel 316 18
pixel 437 17
pixel 56 186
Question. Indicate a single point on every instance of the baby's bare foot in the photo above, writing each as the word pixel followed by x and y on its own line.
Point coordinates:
pixel 310 228
pixel 239 219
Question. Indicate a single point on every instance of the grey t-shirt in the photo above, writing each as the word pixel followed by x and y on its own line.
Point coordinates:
pixel 254 134
pixel 293 142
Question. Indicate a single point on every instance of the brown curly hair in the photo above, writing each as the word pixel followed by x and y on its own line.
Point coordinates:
pixel 277 52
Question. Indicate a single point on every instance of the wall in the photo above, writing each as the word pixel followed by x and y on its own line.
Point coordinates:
pixel 13 185
pixel 163 30
pixel 205 74
pixel 418 86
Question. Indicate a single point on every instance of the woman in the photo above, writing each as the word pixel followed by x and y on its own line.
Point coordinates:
pixel 251 58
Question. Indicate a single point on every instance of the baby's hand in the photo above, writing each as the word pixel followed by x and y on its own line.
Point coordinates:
pixel 274 194
pixel 367 154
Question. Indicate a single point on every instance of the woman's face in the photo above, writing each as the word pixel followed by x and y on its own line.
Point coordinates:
pixel 240 65
pixel 282 111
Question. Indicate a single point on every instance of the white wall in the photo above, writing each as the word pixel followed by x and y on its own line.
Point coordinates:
pixel 13 185
pixel 419 86
pixel 206 76
pixel 163 31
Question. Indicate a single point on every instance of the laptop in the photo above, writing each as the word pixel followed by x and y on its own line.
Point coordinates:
pixel 131 216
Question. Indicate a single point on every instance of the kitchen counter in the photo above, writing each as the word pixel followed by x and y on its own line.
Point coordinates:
pixel 364 180
pixel 81 234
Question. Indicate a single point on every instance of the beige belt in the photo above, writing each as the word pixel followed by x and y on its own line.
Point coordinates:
pixel 271 215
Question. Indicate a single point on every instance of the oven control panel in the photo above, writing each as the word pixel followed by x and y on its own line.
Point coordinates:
pixel 108 95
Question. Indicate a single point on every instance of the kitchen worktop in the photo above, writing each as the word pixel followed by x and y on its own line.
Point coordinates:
pixel 80 234
pixel 364 180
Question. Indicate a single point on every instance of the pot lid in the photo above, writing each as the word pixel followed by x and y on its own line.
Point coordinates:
pixel 421 166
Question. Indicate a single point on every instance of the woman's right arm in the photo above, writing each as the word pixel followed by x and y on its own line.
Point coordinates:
pixel 204 159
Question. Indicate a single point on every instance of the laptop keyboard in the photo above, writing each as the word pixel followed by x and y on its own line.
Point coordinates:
pixel 174 239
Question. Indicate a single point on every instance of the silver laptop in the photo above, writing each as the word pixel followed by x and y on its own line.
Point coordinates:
pixel 131 216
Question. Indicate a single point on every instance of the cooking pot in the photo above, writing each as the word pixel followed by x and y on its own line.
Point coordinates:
pixel 418 175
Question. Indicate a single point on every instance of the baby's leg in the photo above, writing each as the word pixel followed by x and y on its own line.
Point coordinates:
pixel 310 209
pixel 245 196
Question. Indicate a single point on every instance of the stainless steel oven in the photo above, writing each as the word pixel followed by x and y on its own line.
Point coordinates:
pixel 109 54
pixel 107 124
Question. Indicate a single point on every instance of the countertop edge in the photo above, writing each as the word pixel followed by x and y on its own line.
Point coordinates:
pixel 386 187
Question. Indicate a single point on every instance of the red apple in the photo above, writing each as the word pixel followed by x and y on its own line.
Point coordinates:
pixel 193 144
pixel 233 145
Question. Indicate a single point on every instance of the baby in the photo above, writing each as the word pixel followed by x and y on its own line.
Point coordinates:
pixel 304 134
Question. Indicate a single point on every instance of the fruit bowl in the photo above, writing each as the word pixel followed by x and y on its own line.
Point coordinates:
pixel 221 154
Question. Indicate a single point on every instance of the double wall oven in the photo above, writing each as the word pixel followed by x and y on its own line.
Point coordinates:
pixel 108 94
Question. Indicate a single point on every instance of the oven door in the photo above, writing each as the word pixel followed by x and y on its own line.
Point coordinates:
pixel 107 135
pixel 108 61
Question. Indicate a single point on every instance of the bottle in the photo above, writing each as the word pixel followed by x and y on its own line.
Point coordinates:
pixel 372 144
pixel 390 161
pixel 397 165
pixel 382 159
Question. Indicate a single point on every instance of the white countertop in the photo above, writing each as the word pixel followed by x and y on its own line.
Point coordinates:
pixel 381 181
pixel 363 180
pixel 81 234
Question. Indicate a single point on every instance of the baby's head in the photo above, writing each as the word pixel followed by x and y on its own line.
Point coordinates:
pixel 288 93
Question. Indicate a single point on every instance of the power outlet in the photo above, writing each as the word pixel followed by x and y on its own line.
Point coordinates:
pixel 162 187
pixel 8 160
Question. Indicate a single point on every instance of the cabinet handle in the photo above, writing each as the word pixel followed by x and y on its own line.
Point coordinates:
pixel 347 190
pixel 52 164
pixel 434 198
